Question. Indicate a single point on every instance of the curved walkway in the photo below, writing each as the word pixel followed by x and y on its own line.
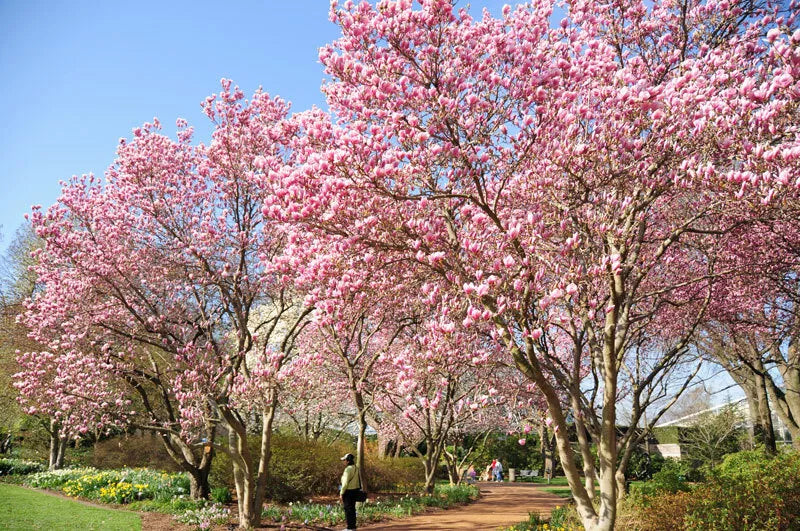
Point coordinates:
pixel 500 505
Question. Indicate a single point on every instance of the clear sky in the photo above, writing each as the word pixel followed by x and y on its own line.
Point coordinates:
pixel 76 76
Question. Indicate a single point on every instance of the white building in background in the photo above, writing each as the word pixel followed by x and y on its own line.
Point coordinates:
pixel 673 450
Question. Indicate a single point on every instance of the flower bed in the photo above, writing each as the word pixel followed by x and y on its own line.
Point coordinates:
pixel 113 486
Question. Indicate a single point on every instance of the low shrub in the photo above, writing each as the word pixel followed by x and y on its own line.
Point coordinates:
pixel 10 466
pixel 300 469
pixel 642 465
pixel 131 451
pixel 664 512
pixel 394 474
pixel 562 518
pixel 669 480
pixel 221 495
pixel 748 491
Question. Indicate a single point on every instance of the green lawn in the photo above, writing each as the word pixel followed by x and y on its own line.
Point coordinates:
pixel 22 508
pixel 558 480
pixel 563 492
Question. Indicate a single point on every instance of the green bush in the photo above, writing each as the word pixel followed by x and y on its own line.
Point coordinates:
pixel 300 469
pixel 748 491
pixel 221 495
pixel 642 465
pixel 17 467
pixel 665 512
pixel 743 464
pixel 500 445
pixel 131 451
pixel 394 474
pixel 667 434
pixel 669 480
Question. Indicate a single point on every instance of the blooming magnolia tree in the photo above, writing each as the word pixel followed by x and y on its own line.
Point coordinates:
pixel 754 324
pixel 72 394
pixel 442 384
pixel 348 342
pixel 549 173
pixel 172 263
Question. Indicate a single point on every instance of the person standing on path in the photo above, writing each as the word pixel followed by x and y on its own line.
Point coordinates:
pixel 350 486
pixel 498 471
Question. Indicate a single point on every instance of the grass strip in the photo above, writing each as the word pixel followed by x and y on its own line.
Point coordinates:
pixel 22 508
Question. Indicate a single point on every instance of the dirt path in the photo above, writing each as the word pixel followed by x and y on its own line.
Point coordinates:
pixel 502 504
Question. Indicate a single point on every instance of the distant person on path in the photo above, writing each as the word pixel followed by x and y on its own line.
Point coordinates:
pixel 350 486
pixel 471 474
pixel 498 470
pixel 487 474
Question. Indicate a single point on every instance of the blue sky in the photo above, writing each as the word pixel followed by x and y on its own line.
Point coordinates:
pixel 76 76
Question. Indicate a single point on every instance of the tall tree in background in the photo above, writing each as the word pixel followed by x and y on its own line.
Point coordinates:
pixel 16 283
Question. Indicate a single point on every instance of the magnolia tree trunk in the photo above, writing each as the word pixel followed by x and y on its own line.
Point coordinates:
pixel 548 453
pixel 602 518
pixel 185 457
pixel 199 488
pixel 787 402
pixel 250 470
pixel 455 472
pixel 361 448
pixel 750 378
pixel 58 446
pixel 620 475
pixel 589 471
pixel 430 471
pixel 766 430
pixel 386 446
pixel 457 467
pixel 433 453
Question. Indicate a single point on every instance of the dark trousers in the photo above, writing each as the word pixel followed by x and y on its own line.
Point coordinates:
pixel 349 502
